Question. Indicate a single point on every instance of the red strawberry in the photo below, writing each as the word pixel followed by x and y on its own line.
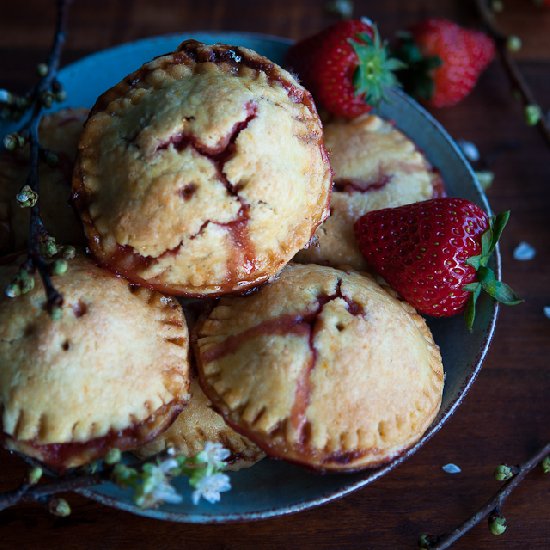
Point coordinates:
pixel 443 61
pixel 435 254
pixel 345 67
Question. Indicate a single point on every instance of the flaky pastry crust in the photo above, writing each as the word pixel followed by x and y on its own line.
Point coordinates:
pixel 203 172
pixel 322 367
pixel 198 424
pixel 59 134
pixel 375 166
pixel 113 368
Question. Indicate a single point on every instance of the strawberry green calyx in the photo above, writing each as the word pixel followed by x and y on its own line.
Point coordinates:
pixel 375 72
pixel 486 280
pixel 416 75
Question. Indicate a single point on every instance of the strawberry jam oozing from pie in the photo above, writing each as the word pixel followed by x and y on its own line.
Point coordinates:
pixel 375 166
pixel 321 367
pixel 203 172
pixel 112 372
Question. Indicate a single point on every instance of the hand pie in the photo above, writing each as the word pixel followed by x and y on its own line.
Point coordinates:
pixel 203 172
pixel 112 372
pixel 59 134
pixel 197 424
pixel 323 368
pixel 375 166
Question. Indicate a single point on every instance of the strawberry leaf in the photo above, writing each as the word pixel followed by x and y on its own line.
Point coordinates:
pixel 486 240
pixel 470 312
pixel 498 223
pixel 416 77
pixel 474 261
pixel 498 290
pixel 505 295
pixel 375 71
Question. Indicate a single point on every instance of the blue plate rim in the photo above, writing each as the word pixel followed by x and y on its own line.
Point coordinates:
pixel 474 368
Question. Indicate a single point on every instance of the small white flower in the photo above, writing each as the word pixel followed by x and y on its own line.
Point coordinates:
pixel 547 311
pixel 469 149
pixel 524 251
pixel 451 468
pixel 158 488
pixel 167 465
pixel 213 455
pixel 210 487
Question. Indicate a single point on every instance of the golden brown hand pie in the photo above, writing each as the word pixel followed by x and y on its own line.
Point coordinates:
pixel 59 134
pixel 322 367
pixel 112 372
pixel 197 424
pixel 375 166
pixel 203 172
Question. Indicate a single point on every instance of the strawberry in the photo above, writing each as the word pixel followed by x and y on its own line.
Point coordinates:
pixel 435 254
pixel 345 67
pixel 443 61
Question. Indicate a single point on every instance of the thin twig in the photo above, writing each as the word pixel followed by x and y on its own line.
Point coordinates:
pixel 42 492
pixel 493 504
pixel 514 74
pixel 37 231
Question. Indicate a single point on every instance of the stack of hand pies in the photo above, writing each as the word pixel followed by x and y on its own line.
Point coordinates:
pixel 201 175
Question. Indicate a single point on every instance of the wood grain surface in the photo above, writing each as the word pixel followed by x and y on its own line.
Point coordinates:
pixel 505 417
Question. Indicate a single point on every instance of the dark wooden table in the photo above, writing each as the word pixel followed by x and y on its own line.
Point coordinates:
pixel 506 415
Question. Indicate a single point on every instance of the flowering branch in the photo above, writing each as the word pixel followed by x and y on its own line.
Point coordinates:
pixel 492 508
pixel 41 246
pixel 150 481
pixel 532 110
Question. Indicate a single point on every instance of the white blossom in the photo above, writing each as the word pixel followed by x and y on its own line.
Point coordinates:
pixel 451 468
pixel 524 251
pixel 157 487
pixel 213 455
pixel 210 487
pixel 469 149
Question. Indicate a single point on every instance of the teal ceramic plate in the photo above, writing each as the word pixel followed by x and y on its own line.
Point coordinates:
pixel 272 488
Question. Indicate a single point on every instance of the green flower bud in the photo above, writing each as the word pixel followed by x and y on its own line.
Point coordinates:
pixel 56 313
pixel 26 281
pixel 59 507
pixel 497 524
pixel 59 267
pixel 12 290
pixel 50 158
pixel 27 198
pixel 503 472
pixel 343 8
pixel 21 102
pixel 34 475
pixel 48 247
pixel 485 179
pixel 68 252
pixel 546 465
pixel 496 6
pixel 532 114
pixel 47 99
pixel 513 43
pixel 124 475
pixel 424 541
pixel 61 96
pixel 113 456
pixel 42 69
pixel 11 142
